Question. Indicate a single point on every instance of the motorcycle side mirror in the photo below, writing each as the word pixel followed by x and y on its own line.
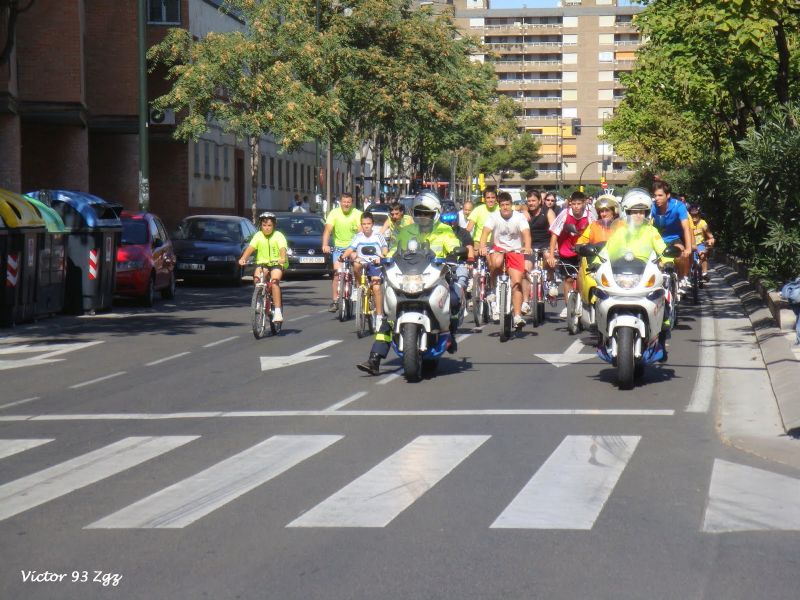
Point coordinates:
pixel 458 254
pixel 438 261
pixel 571 229
pixel 586 250
pixel 672 252
pixel 387 262
pixel 369 251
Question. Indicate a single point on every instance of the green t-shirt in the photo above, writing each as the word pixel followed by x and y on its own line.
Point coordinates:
pixel 479 216
pixel 442 240
pixel 268 249
pixel 640 242
pixel 345 226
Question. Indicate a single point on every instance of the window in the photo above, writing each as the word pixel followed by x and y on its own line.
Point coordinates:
pixel 606 39
pixel 570 76
pixel 216 161
pixel 280 173
pixel 605 94
pixel 605 56
pixel 272 171
pixel 302 179
pixel 309 180
pixel 569 95
pixel 606 20
pixel 225 162
pixel 263 171
pixel 196 160
pixel 605 76
pixel 569 113
pixel 164 11
pixel 294 175
pixel 207 159
pixel 569 58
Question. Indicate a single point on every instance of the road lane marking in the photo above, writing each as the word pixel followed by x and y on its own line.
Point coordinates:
pixel 386 490
pixel 276 362
pixel 187 501
pixel 391 377
pixel 345 402
pixel 742 498
pixel 222 341
pixel 48 352
pixel 61 479
pixel 247 414
pixel 572 486
pixel 18 402
pixel 99 379
pixel 293 319
pixel 570 356
pixel 703 392
pixel 165 359
pixel 10 447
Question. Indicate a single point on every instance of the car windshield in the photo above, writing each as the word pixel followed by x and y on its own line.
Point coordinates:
pixel 297 225
pixel 208 230
pixel 133 232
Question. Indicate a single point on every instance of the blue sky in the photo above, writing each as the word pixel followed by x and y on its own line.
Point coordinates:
pixel 532 3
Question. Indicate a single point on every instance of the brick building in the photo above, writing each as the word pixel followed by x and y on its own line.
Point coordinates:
pixel 69 116
pixel 560 64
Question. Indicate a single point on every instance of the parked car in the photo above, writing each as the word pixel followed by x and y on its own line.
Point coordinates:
pixel 145 259
pixel 380 212
pixel 209 247
pixel 303 233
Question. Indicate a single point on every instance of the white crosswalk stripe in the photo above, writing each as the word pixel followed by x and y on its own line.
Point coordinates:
pixel 25 493
pixel 11 447
pixel 572 486
pixel 187 501
pixel 378 496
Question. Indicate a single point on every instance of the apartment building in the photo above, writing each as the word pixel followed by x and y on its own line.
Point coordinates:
pixel 560 64
pixel 69 116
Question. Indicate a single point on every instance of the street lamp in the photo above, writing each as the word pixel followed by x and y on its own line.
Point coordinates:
pixel 605 114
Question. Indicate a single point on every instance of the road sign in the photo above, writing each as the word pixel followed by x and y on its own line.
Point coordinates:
pixel 604 185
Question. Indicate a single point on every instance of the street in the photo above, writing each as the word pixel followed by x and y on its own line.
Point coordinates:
pixel 166 453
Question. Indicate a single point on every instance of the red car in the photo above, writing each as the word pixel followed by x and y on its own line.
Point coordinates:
pixel 145 259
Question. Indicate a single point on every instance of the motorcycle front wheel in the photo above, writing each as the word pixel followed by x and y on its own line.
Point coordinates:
pixel 626 363
pixel 412 360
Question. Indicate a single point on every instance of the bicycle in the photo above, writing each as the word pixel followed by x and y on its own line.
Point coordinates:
pixel 696 277
pixel 503 294
pixel 262 305
pixel 539 288
pixel 671 285
pixel 481 311
pixel 574 302
pixel 345 289
pixel 365 303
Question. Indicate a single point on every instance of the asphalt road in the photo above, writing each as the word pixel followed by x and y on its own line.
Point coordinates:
pixel 147 452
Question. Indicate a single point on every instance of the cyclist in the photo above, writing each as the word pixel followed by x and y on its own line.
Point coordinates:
pixel 463 214
pixel 703 238
pixel 368 237
pixel 540 218
pixel 397 219
pixel 477 218
pixel 607 209
pixel 462 271
pixel 344 221
pixel 563 240
pixel 511 235
pixel 270 247
pixel 672 221
pixel 441 240
pixel 551 202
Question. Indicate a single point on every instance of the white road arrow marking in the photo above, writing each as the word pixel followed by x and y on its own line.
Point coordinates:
pixel 570 356
pixel 48 352
pixel 276 362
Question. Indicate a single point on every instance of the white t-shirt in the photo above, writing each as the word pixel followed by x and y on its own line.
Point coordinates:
pixel 376 240
pixel 507 234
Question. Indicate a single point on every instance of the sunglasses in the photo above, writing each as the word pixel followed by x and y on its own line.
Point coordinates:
pixel 638 211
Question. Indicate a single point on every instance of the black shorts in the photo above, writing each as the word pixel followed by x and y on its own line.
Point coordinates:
pixel 574 261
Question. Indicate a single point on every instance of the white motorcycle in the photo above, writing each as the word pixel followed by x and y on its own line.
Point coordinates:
pixel 417 301
pixel 629 310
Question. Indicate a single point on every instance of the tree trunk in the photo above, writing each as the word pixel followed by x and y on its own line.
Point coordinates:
pixel 254 160
pixel 782 75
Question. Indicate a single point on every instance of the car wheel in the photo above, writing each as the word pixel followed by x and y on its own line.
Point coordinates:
pixel 168 293
pixel 149 297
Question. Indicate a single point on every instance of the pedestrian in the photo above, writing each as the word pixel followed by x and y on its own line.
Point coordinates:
pixel 299 205
pixel 791 293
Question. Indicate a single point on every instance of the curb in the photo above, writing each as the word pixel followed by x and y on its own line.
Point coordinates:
pixel 782 364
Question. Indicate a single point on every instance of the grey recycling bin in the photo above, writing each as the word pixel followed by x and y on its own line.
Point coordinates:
pixel 51 271
pixel 93 231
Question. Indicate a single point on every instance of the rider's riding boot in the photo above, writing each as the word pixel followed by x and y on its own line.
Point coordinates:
pixel 453 347
pixel 372 364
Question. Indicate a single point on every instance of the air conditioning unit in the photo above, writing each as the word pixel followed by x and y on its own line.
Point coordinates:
pixel 162 117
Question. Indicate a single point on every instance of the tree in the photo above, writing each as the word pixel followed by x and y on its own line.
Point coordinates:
pixel 518 155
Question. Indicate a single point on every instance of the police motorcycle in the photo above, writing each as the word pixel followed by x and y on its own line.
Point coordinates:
pixel 417 301
pixel 631 298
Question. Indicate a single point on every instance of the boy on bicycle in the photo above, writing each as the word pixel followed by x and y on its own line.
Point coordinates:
pixel 703 238
pixel 367 237
pixel 270 247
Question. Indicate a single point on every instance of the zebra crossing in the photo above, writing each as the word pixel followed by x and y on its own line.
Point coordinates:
pixel 567 492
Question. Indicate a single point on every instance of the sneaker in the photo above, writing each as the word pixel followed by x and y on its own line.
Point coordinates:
pixel 526 308
pixel 378 322
pixel 452 348
pixel 495 311
pixel 706 278
pixel 563 313
pixel 491 298
pixel 685 283
pixel 333 307
pixel 518 322
pixel 277 315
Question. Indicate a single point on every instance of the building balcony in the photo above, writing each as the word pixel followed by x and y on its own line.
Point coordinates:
pixel 529 84
pixel 529 120
pixel 535 102
pixel 634 43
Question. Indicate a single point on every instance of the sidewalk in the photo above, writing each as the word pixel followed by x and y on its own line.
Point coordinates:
pixel 758 381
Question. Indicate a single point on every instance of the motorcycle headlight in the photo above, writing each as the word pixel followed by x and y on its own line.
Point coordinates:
pixel 227 258
pixel 130 265
pixel 627 281
pixel 412 284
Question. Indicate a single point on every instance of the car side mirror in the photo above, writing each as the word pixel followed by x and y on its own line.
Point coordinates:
pixel 157 243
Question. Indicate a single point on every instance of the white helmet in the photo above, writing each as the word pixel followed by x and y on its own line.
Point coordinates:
pixel 607 201
pixel 637 198
pixel 428 201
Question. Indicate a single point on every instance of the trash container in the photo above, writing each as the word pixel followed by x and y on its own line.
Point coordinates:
pixel 51 273
pixel 24 228
pixel 3 253
pixel 93 231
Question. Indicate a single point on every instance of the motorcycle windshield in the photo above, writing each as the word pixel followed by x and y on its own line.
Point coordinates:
pixel 623 266
pixel 414 263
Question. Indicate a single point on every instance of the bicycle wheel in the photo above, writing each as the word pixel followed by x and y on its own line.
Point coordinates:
pixel 477 302
pixel 505 313
pixel 343 300
pixel 673 289
pixel 695 280
pixel 362 314
pixel 274 327
pixel 573 312
pixel 534 299
pixel 260 316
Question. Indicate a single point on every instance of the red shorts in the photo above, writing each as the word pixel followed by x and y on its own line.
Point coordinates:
pixel 514 260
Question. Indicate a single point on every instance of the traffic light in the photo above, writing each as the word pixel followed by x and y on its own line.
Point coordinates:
pixel 481 182
pixel 576 126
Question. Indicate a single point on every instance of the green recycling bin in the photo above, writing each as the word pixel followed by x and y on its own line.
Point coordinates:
pixel 25 227
pixel 51 274
pixel 93 232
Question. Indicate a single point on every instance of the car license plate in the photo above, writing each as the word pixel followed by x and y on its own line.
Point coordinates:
pixel 311 259
pixel 191 267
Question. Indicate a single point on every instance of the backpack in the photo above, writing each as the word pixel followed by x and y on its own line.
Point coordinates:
pixel 791 292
